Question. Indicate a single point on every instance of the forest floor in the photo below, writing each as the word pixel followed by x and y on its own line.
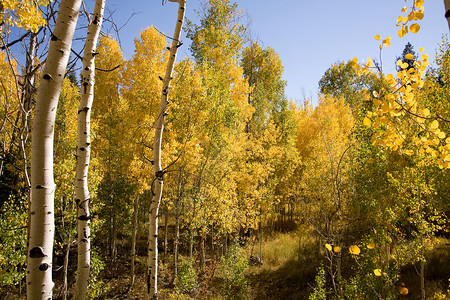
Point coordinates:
pixel 288 271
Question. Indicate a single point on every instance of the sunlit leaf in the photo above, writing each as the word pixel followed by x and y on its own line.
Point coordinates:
pixel 418 3
pixel 377 272
pixel 434 125
pixel 328 246
pixel 354 250
pixel 408 152
pixel 414 28
pixel 377 37
pixel 337 249
pixel 371 245
pixel 409 56
pixel 367 122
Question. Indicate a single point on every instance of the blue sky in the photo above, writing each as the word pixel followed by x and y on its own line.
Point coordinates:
pixel 308 35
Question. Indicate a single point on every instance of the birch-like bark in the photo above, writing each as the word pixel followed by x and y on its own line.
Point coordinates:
pixel 447 11
pixel 42 225
pixel 82 197
pixel 166 221
pixel 152 273
pixel 177 225
pixel 133 242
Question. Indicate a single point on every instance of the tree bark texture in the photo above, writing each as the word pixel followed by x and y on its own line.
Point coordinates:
pixel 42 225
pixel 133 242
pixel 152 273
pixel 82 197
pixel 447 11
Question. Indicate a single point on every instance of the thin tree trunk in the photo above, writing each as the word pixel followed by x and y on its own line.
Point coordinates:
pixel 42 220
pixel 447 11
pixel 152 273
pixel 225 244
pixel 166 221
pixel 203 250
pixel 114 238
pixel 422 272
pixel 133 242
pixel 82 197
pixel 191 243
pixel 28 97
pixel 177 225
pixel 66 269
pixel 175 246
pixel 212 237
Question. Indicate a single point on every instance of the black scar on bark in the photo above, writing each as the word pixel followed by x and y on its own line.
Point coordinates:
pixel 54 37
pixel 39 187
pixel 148 283
pixel 84 218
pixel 37 252
pixel 447 14
pixel 44 267
pixel 47 76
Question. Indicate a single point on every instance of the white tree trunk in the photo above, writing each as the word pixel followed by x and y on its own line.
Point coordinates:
pixel 447 11
pixel 82 197
pixel 39 258
pixel 152 273
pixel 133 242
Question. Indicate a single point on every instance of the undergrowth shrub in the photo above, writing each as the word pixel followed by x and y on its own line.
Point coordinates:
pixel 319 292
pixel 232 268
pixel 187 277
pixel 13 232
pixel 96 285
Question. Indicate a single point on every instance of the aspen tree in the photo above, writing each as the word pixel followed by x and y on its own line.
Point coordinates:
pixel 41 223
pixel 447 12
pixel 152 273
pixel 82 197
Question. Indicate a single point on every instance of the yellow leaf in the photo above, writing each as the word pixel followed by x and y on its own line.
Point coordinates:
pixel 404 9
pixel 414 28
pixel 337 249
pixel 367 122
pixel 421 49
pixel 409 56
pixel 377 37
pixel 408 152
pixel 371 245
pixel 328 246
pixel 377 272
pixel 441 135
pixel 434 125
pixel 419 15
pixel 387 41
pixel 354 250
pixel 418 3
